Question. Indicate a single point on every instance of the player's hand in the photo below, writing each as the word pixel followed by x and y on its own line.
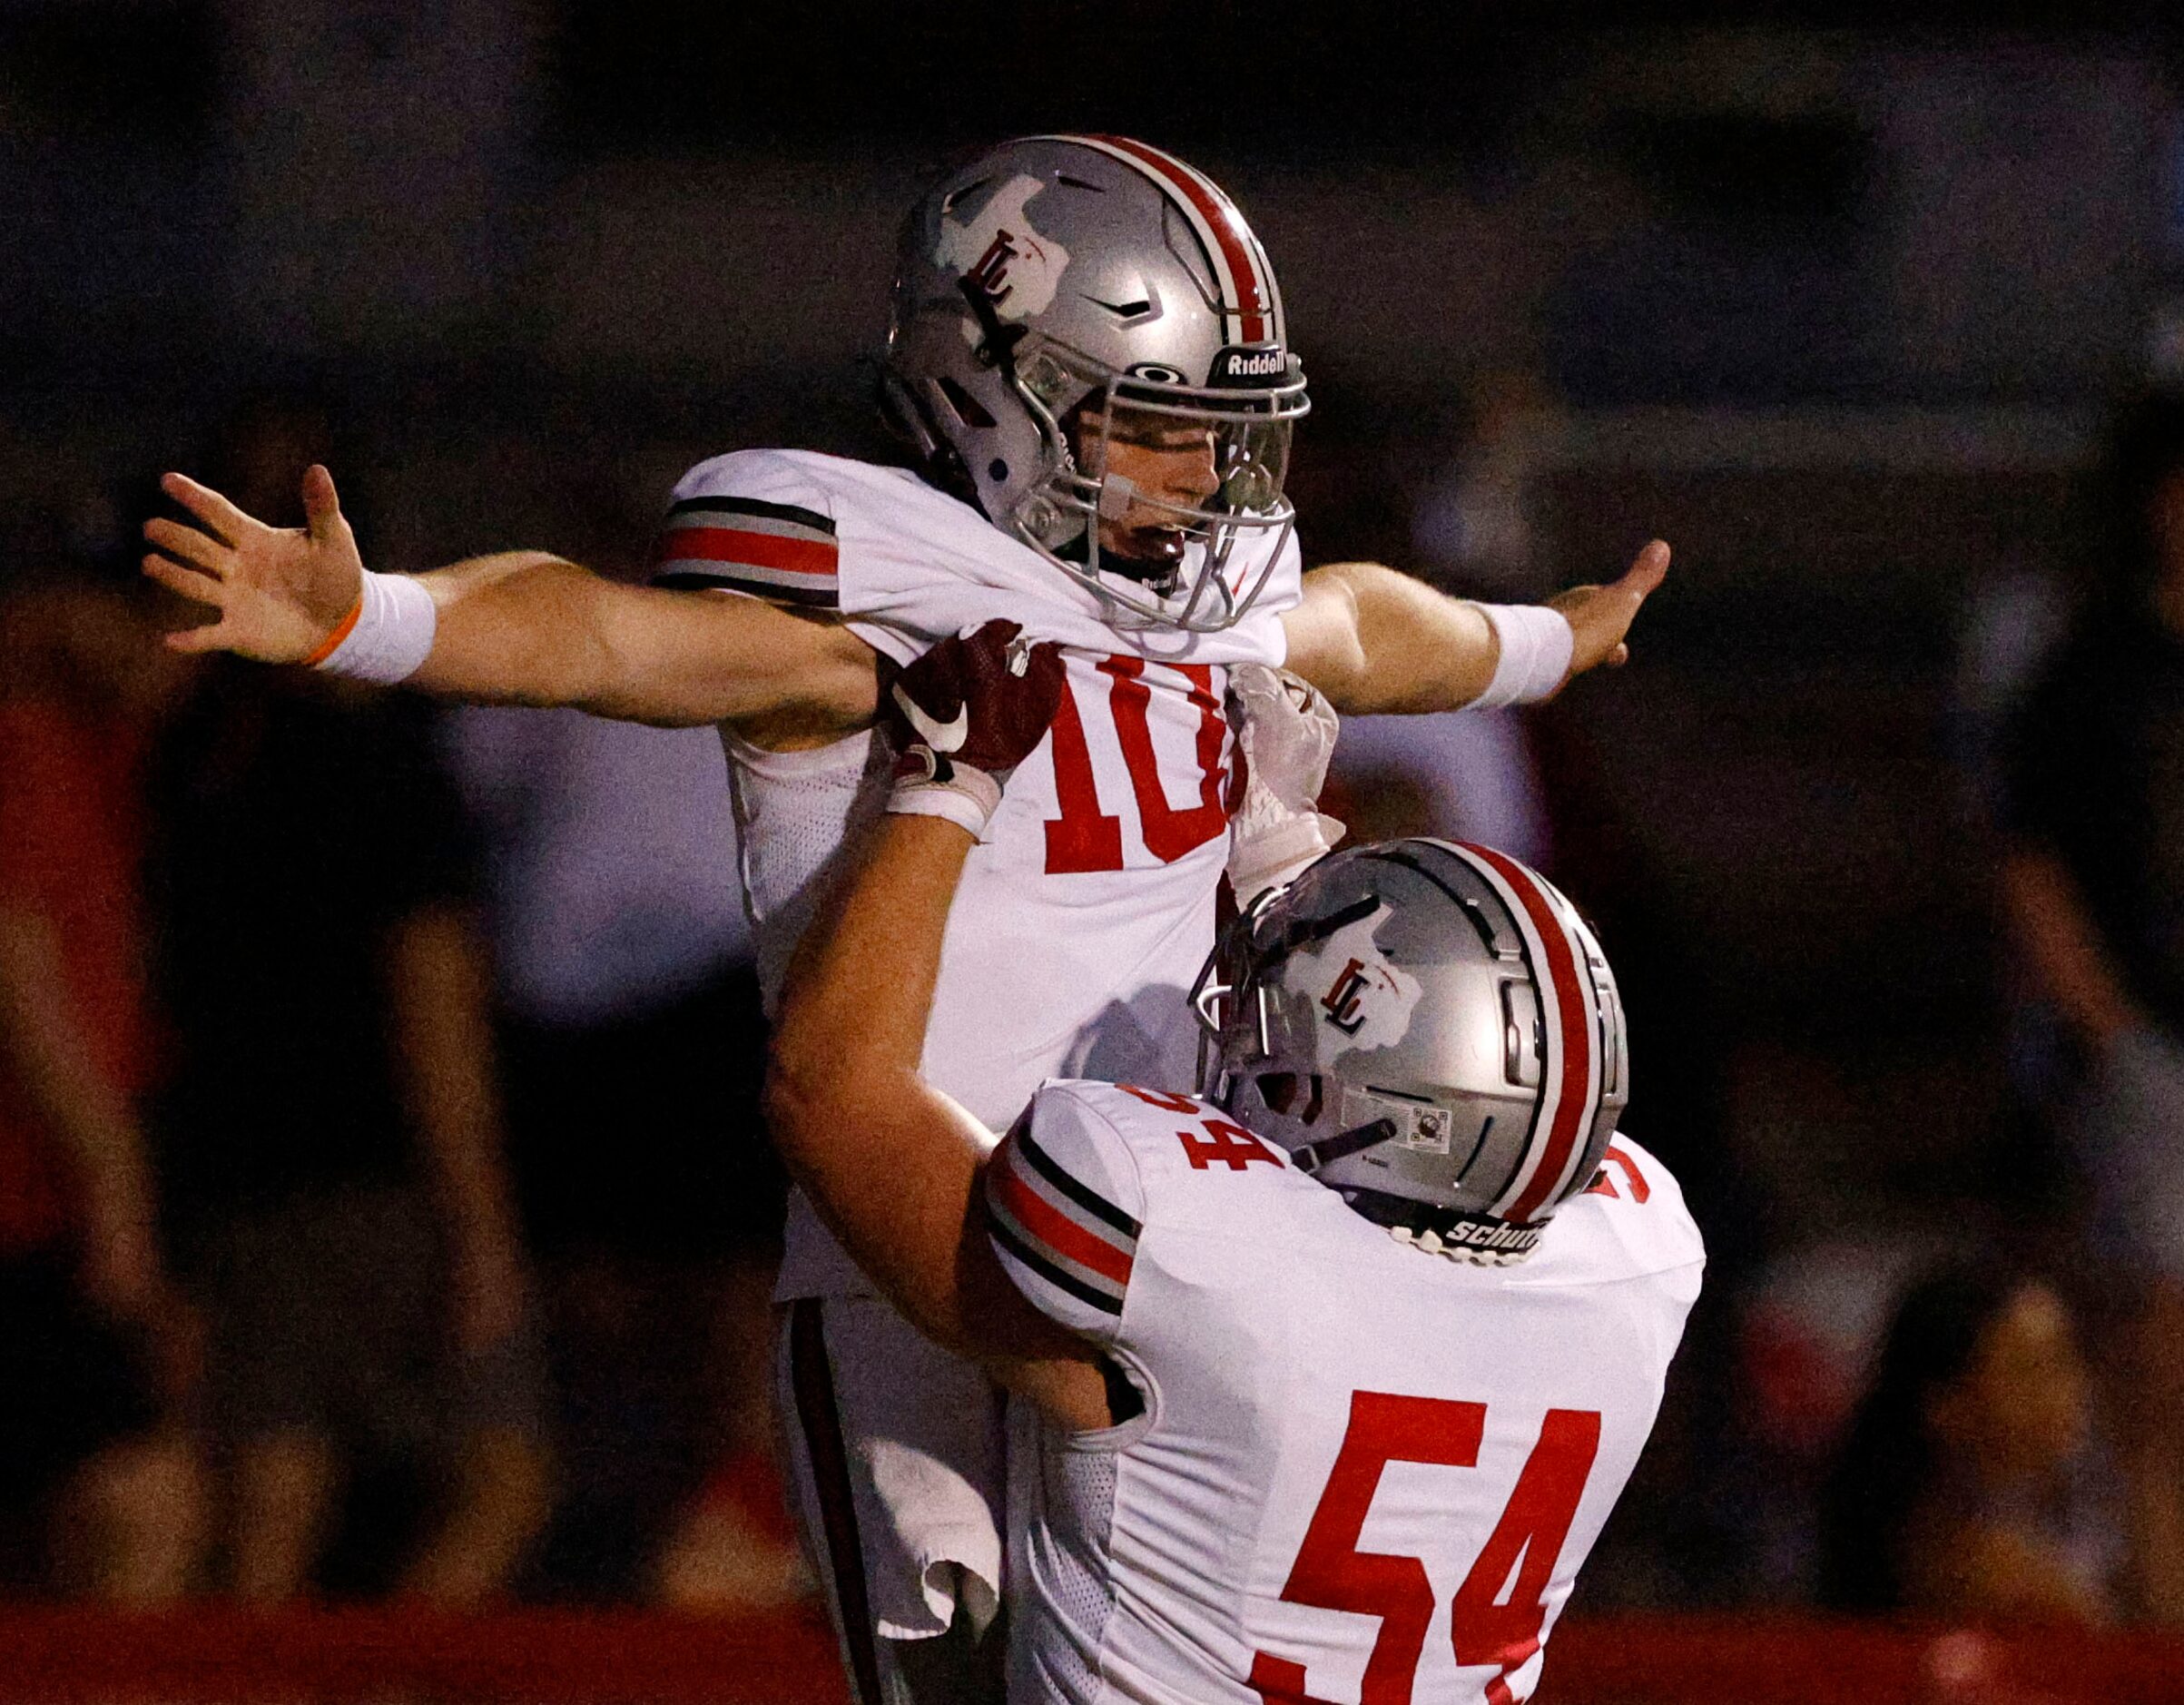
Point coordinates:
pixel 1286 730
pixel 1600 617
pixel 280 592
pixel 964 715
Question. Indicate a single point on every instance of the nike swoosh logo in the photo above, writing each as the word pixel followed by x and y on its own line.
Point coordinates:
pixel 947 736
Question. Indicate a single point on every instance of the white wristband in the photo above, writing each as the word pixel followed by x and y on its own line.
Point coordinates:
pixel 392 635
pixel 968 799
pixel 1537 645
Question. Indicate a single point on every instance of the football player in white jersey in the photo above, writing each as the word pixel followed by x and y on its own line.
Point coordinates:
pixel 1088 357
pixel 1337 1365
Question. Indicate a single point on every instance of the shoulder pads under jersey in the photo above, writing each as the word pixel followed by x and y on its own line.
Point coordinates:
pixel 1066 1209
pixel 752 522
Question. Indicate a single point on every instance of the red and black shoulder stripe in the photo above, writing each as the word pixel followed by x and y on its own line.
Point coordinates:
pixel 777 551
pixel 1056 1226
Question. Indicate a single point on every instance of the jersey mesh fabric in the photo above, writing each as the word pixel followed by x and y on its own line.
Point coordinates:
pixel 794 811
pixel 1076 1489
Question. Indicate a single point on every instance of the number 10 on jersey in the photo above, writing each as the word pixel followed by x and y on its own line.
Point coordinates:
pixel 1085 837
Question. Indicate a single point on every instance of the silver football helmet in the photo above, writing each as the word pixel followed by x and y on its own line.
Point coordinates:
pixel 1055 280
pixel 1431 1030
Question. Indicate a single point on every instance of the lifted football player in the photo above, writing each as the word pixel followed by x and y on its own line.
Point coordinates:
pixel 1376 1320
pixel 1089 361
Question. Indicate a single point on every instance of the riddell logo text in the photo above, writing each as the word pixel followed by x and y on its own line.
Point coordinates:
pixel 1253 364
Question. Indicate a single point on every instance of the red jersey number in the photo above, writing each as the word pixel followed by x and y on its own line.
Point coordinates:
pixel 1224 1145
pixel 1086 838
pixel 1332 1574
pixel 1216 1142
pixel 1616 1161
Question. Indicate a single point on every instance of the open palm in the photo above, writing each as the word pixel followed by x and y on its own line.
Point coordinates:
pixel 280 591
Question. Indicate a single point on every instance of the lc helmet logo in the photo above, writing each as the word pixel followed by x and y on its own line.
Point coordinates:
pixel 1367 999
pixel 1002 254
pixel 1345 1002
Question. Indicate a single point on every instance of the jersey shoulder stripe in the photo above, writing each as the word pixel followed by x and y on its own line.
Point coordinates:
pixel 735 540
pixel 756 508
pixel 1059 1227
pixel 1069 1245
pixel 1091 1201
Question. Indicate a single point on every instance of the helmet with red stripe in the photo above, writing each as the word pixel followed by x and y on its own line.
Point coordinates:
pixel 1056 286
pixel 1429 1029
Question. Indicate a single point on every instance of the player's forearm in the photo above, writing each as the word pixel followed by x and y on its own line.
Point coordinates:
pixel 860 989
pixel 887 1159
pixel 519 627
pixel 890 1164
pixel 2055 930
pixel 527 629
pixel 1408 647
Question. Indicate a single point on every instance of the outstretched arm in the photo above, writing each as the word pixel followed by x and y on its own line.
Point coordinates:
pixel 893 1166
pixel 522 627
pixel 1375 640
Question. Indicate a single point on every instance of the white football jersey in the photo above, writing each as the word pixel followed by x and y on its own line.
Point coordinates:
pixel 1084 914
pixel 1365 1471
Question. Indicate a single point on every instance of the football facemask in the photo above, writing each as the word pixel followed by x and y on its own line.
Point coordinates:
pixel 1192 550
pixel 1058 280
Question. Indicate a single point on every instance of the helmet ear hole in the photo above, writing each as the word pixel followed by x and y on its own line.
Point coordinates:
pixel 967 408
pixel 1281 1092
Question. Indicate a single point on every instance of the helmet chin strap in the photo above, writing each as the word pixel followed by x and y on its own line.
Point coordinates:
pixel 1312 1156
pixel 1156 576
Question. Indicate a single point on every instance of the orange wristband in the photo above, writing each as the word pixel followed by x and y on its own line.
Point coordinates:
pixel 342 629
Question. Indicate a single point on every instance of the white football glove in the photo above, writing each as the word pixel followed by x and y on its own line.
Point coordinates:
pixel 1286 730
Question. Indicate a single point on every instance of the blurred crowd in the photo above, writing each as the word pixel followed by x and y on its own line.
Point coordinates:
pixel 384 1209
pixel 381 1203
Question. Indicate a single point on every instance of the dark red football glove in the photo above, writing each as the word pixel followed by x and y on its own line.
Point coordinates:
pixel 964 715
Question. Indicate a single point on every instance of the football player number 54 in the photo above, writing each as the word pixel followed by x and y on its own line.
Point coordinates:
pixel 1485 1626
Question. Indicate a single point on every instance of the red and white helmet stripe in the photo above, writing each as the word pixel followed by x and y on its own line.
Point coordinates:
pixel 1573 1079
pixel 1251 304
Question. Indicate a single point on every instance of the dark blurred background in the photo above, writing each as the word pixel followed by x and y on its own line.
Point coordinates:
pixel 1857 306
